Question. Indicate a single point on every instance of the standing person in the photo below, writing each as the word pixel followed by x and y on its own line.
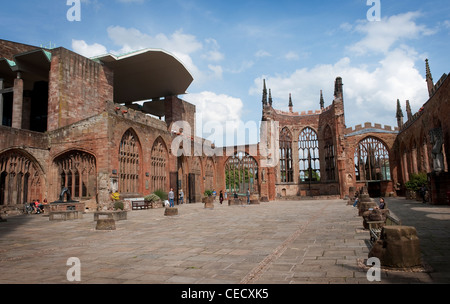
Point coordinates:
pixel 382 203
pixel 248 196
pixel 214 193
pixel 181 196
pixel 221 197
pixel 171 198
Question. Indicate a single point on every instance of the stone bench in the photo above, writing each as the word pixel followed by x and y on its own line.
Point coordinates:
pixel 65 215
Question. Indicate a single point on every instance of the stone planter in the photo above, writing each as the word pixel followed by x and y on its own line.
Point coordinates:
pixel 208 202
pixel 234 201
pixel 117 215
pixel 106 224
pixel 171 211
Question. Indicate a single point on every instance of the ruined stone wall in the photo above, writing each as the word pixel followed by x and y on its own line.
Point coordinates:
pixel 8 49
pixel 414 147
pixel 78 88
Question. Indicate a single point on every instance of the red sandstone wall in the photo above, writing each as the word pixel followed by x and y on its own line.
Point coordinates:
pixel 78 88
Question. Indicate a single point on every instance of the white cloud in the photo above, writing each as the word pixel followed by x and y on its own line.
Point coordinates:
pixel 381 36
pixel 369 95
pixel 86 50
pixel 217 114
pixel 291 56
pixel 370 90
pixel 262 53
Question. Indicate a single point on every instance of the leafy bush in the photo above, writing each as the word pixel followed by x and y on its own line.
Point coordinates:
pixel 118 205
pixel 152 197
pixel 208 192
pixel 416 181
pixel 161 193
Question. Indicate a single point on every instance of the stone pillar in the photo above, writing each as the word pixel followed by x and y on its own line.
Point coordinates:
pixel 17 103
pixel 398 247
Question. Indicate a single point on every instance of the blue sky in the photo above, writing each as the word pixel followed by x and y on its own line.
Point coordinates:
pixel 299 47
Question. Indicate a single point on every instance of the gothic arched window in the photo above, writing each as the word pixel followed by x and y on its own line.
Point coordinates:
pixel 372 160
pixel 308 154
pixel 72 173
pixel 286 170
pixel 241 173
pixel 329 154
pixel 159 165
pixel 129 163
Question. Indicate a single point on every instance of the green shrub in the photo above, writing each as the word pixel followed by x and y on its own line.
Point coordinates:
pixel 118 205
pixel 416 181
pixel 152 198
pixel 208 192
pixel 162 195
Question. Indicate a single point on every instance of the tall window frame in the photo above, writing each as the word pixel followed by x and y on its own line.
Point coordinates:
pixel 129 163
pixel 159 160
pixel 371 160
pixel 330 163
pixel 286 168
pixel 77 171
pixel 308 154
pixel 241 173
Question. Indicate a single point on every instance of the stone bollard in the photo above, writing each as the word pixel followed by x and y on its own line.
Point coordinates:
pixel 170 211
pixel 398 247
pixel 375 215
pixel 234 201
pixel 106 224
pixel 365 206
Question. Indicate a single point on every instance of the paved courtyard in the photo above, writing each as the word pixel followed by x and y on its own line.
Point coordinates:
pixel 308 241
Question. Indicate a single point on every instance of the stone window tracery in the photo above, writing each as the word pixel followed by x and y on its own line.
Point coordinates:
pixel 286 169
pixel 77 171
pixel 20 179
pixel 308 153
pixel 329 155
pixel 129 163
pixel 241 173
pixel 372 160
pixel 159 165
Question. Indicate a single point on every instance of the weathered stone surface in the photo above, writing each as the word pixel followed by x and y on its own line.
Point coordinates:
pixel 106 224
pixel 171 211
pixel 374 215
pixel 398 247
pixel 365 206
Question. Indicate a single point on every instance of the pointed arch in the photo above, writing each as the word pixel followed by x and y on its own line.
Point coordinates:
pixel 159 165
pixel 241 173
pixel 76 171
pixel 372 160
pixel 308 153
pixel 286 168
pixel 21 178
pixel 129 162
pixel 329 150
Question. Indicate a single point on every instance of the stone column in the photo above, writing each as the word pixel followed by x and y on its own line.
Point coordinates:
pixel 17 102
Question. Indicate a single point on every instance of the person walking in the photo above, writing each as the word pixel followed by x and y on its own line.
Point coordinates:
pixel 221 197
pixel 171 197
pixel 248 196
pixel 181 196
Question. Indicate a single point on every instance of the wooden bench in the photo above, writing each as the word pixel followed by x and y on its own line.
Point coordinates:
pixel 375 227
pixel 140 204
pixel 65 215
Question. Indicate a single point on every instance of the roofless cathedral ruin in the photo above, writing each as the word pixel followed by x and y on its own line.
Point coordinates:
pixel 106 124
